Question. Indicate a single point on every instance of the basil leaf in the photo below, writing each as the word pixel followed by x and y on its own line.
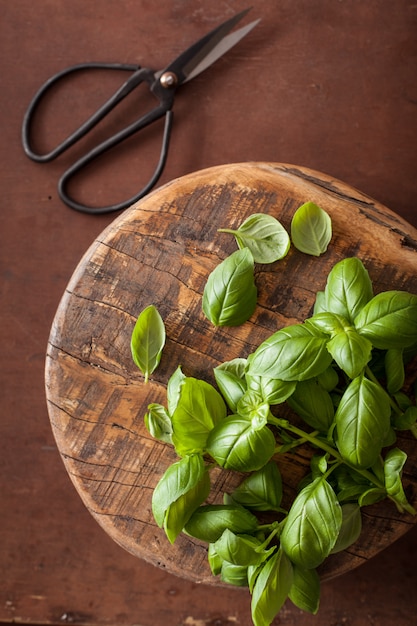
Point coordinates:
pixel 271 588
pixel 238 549
pixel 174 389
pixel 313 525
pixel 236 444
pixel 148 340
pixel 328 379
pixel 230 294
pixel 348 288
pixel 253 407
pixel 394 369
pixel 407 420
pixel 393 467
pixel 183 487
pixel 209 521
pixel 215 561
pixel 305 589
pixel 362 421
pixel 350 351
pixel 261 490
pixel 236 575
pixel 264 235
pixel 199 408
pixel 230 378
pixel 313 403
pixel 297 352
pixel 351 527
pixel 371 496
pixel 272 390
pixel 389 320
pixel 311 229
pixel 158 423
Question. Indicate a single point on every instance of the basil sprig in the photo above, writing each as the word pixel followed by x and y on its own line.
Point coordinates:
pixel 342 372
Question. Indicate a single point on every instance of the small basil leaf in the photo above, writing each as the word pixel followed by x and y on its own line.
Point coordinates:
pixel 158 423
pixel 199 408
pixel 209 521
pixel 271 588
pixel 311 229
pixel 272 390
pixel 238 549
pixel 180 511
pixel 313 403
pixel 362 421
pixel 406 420
pixel 351 527
pixel 179 479
pixel 328 379
pixel 297 352
pixel 371 496
pixel 264 235
pixel 350 351
pixel 174 389
pixel 148 340
pixel 313 524
pixel 230 378
pixel 393 467
pixel 394 369
pixel 253 407
pixel 305 589
pixel 236 575
pixel 261 490
pixel 348 288
pixel 235 444
pixel 215 561
pixel 389 320
pixel 230 294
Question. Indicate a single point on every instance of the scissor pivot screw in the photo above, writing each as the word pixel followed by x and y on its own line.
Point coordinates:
pixel 168 79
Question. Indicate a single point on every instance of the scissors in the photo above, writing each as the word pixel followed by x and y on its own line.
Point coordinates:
pixel 162 84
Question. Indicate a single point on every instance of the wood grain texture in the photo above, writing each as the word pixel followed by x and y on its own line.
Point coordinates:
pixel 161 252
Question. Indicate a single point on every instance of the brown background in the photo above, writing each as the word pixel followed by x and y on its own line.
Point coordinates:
pixel 329 84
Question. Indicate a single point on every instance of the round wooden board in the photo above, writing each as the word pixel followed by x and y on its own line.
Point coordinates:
pixel 161 252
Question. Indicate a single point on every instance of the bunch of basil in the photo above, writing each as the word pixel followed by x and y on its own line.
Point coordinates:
pixel 342 371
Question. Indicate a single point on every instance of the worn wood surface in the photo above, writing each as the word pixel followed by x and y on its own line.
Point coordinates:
pixel 161 252
pixel 328 85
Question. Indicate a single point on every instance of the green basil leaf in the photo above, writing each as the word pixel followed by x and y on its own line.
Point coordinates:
pixel 238 549
pixel 305 589
pixel 313 524
pixel 261 490
pixel 371 496
pixel 394 369
pixel 230 294
pixel 236 575
pixel 180 511
pixel 148 340
pixel 236 444
pixel 297 352
pixel 158 423
pixel 350 351
pixel 393 467
pixel 319 303
pixel 199 408
pixel 209 521
pixel 406 420
pixel 311 229
pixel 348 288
pixel 253 407
pixel 271 588
pixel 313 403
pixel 329 379
pixel 389 320
pixel 351 527
pixel 187 476
pixel 272 390
pixel 174 389
pixel 362 421
pixel 215 561
pixel 264 235
pixel 230 378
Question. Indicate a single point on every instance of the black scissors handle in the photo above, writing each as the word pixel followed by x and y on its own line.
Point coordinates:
pixel 164 95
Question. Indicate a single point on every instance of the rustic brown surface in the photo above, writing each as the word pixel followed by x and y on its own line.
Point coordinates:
pixel 328 85
pixel 161 252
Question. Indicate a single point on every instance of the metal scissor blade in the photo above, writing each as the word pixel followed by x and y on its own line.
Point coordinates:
pixel 222 47
pixel 208 49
